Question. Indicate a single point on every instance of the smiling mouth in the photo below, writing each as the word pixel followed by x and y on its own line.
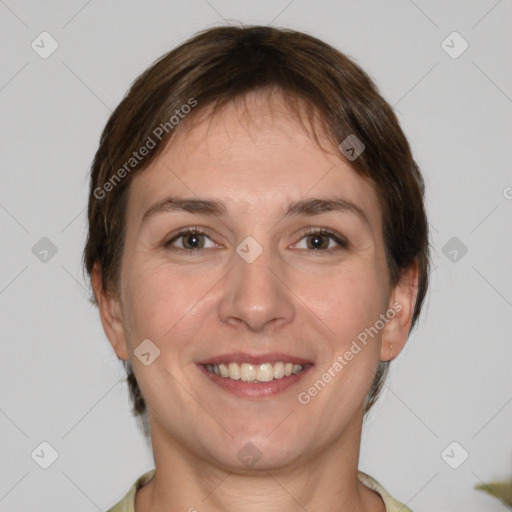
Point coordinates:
pixel 254 373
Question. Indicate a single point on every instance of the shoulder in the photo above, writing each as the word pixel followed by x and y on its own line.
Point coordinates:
pixel 392 505
pixel 127 504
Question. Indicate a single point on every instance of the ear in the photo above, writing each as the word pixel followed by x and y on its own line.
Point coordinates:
pixel 111 315
pixel 402 301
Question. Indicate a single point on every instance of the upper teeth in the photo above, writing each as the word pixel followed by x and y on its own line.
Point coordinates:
pixel 246 372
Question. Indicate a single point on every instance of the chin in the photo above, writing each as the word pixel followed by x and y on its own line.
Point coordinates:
pixel 260 449
pixel 257 457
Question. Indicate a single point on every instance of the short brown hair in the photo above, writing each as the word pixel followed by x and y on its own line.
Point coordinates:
pixel 223 64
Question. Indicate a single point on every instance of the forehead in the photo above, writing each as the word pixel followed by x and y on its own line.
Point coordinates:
pixel 252 151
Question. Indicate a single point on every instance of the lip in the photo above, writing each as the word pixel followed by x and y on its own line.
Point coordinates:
pixel 250 390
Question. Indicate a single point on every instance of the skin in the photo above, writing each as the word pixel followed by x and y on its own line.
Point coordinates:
pixel 256 158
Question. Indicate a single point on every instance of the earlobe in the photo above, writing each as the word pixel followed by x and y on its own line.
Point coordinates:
pixel 402 302
pixel 110 314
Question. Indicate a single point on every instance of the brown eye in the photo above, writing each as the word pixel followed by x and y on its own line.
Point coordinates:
pixel 322 240
pixel 189 240
pixel 193 241
pixel 318 241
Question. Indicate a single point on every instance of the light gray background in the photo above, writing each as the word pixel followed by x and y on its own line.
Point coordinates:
pixel 60 380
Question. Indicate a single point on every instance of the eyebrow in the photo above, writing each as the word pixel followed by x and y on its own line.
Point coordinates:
pixel 310 206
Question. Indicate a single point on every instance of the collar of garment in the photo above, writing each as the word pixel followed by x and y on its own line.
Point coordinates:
pixel 127 504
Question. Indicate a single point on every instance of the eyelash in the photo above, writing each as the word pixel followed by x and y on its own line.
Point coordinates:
pixel 339 239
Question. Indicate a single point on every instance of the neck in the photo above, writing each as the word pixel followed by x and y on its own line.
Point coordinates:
pixel 327 481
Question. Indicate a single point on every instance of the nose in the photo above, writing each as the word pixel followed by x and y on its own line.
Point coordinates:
pixel 255 294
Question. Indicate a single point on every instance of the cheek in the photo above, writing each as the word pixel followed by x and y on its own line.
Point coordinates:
pixel 349 296
pixel 170 306
pixel 349 302
pixel 166 307
pixel 148 294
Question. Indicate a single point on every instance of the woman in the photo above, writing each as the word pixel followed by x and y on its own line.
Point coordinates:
pixel 258 251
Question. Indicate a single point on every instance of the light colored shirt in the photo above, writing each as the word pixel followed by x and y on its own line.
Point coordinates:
pixel 127 504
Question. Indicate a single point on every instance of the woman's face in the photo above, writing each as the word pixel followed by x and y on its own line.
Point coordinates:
pixel 258 284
